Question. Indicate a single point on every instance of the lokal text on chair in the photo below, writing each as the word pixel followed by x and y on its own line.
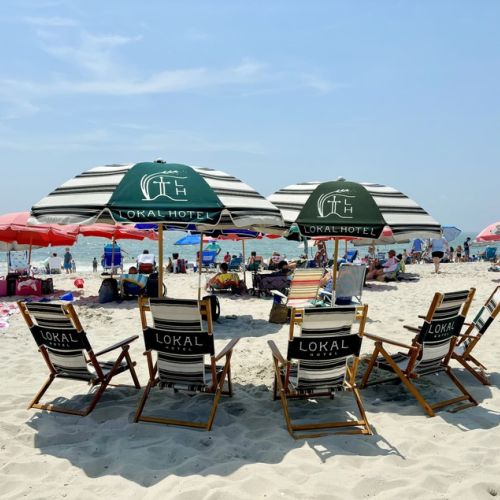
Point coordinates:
pixel 68 354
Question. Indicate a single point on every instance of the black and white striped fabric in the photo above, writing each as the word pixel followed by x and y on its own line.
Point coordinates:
pixel 435 336
pixel 403 215
pixel 319 375
pixel 52 321
pixel 175 370
pixel 85 198
pixel 482 320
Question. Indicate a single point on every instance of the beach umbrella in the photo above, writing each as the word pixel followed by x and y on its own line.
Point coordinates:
pixel 162 193
pixel 340 209
pixel 451 232
pixel 115 232
pixel 490 233
pixel 190 239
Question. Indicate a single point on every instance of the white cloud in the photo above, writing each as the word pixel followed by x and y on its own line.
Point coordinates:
pixel 51 22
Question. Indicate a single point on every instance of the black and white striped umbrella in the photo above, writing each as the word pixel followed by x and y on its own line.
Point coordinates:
pixel 347 209
pixel 172 194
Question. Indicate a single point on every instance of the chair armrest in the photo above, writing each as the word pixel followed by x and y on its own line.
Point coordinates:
pixel 326 292
pixel 276 352
pixel 229 347
pixel 278 293
pixel 422 317
pixel 412 329
pixel 387 341
pixel 117 346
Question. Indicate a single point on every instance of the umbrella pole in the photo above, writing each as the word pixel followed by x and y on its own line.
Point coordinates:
pixel 335 259
pixel 244 262
pixel 160 260
pixel 199 266
pixel 30 250
pixel 112 255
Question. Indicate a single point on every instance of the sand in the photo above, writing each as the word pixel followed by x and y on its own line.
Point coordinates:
pixel 249 453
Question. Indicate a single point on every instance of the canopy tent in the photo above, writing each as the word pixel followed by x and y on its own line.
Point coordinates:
pixel 166 194
pixel 343 209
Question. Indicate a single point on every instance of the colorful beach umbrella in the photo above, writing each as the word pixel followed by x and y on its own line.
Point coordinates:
pixel 451 233
pixel 168 194
pixel 490 233
pixel 115 232
pixel 190 239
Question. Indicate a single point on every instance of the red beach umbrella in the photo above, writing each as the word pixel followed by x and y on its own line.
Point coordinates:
pixel 490 233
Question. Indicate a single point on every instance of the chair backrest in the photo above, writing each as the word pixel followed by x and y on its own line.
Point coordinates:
pixel 235 263
pixel 17 261
pixel 304 286
pixel 442 325
pixel 208 257
pixel 351 255
pixel 490 253
pixel 146 267
pixel 180 340
pixel 112 256
pixel 62 339
pixel 381 255
pixel 485 316
pixel 324 345
pixel 350 280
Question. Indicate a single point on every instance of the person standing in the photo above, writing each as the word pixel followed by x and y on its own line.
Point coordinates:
pixel 67 262
pixel 438 247
pixel 467 250
pixel 94 265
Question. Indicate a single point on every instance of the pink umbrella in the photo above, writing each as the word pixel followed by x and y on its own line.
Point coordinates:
pixel 116 232
pixel 490 233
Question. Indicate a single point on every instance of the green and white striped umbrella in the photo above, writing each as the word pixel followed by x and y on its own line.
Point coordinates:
pixel 165 193
pixel 348 209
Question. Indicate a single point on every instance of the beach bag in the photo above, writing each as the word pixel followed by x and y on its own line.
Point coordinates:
pixel 47 286
pixel 152 285
pixel 3 286
pixel 108 291
pixel 214 306
pixel 278 314
pixel 29 286
pixel 11 283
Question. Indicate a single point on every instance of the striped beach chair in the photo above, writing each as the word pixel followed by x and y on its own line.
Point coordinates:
pixel 475 330
pixel 304 287
pixel 181 340
pixel 430 352
pixel 68 354
pixel 322 359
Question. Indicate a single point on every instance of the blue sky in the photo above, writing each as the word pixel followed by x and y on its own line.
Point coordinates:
pixel 275 92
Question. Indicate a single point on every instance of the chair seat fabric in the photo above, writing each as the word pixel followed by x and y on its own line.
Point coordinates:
pixel 311 389
pixel 191 386
pixel 402 360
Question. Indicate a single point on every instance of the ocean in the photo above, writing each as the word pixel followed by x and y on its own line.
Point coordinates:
pixel 86 249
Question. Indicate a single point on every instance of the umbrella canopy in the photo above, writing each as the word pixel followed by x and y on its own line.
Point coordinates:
pixel 166 193
pixel 490 233
pixel 190 239
pixel 14 229
pixel 341 208
pixel 451 232
pixel 116 232
pixel 386 238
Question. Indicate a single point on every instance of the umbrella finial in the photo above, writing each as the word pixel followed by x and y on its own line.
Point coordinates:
pixel 340 178
pixel 159 160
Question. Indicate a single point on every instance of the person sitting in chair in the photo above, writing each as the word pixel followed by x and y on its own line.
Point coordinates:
pixel 379 272
pixel 225 279
pixel 146 262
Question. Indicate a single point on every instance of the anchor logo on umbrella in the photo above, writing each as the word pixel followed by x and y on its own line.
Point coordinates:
pixel 166 184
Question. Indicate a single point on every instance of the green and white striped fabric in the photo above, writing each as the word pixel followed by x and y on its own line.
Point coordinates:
pixel 173 194
pixel 342 208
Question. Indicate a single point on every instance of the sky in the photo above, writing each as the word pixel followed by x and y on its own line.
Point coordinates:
pixel 402 93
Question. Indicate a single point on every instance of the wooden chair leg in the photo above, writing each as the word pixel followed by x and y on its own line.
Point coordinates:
pixel 478 373
pixel 218 393
pixel 131 368
pixel 362 411
pixel 369 369
pixel 460 386
pixel 42 391
pixel 142 403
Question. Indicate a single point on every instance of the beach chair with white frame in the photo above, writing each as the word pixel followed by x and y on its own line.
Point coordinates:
pixel 68 354
pixel 322 360
pixel 430 351
pixel 181 341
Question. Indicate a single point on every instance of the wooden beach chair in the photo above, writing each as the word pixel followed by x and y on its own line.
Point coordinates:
pixel 322 359
pixel 181 342
pixel 430 351
pixel 475 330
pixel 68 354
pixel 304 287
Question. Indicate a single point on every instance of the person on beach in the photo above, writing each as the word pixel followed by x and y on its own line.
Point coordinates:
pixel 321 257
pixel 438 247
pixel 467 250
pixel 94 265
pixel 227 258
pixel 225 279
pixel 378 271
pixel 67 259
pixel 213 246
pixel 458 253
pixel 416 250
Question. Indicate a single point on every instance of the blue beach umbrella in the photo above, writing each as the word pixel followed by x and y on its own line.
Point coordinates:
pixel 451 232
pixel 190 239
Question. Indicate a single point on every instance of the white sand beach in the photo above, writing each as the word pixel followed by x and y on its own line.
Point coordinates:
pixel 249 453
